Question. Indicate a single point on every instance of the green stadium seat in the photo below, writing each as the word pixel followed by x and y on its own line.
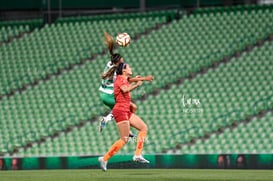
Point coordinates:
pixel 201 40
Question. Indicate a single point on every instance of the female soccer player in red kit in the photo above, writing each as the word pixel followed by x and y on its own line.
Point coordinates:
pixel 108 79
pixel 124 117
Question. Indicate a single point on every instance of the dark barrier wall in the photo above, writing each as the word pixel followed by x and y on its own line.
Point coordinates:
pixel 106 4
pixel 214 161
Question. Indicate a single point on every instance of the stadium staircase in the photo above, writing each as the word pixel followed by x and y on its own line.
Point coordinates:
pixel 11 30
pixel 249 136
pixel 31 88
pixel 60 47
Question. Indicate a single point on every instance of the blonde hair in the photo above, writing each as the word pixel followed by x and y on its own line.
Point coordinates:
pixel 109 42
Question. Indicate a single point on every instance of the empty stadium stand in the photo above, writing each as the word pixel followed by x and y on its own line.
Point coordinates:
pixel 12 29
pixel 212 68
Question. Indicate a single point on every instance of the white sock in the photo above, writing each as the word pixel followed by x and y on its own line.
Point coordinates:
pixel 109 117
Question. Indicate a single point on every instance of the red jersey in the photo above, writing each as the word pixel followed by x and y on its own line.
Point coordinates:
pixel 122 99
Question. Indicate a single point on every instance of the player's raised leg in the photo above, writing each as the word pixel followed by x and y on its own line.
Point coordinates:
pixel 109 101
pixel 104 120
pixel 124 128
pixel 139 124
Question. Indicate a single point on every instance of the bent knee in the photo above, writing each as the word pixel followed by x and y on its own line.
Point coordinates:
pixel 144 128
pixel 125 139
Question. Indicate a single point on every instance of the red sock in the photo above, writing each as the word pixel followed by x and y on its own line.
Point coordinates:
pixel 140 142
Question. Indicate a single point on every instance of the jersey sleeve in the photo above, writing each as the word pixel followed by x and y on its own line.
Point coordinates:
pixel 121 81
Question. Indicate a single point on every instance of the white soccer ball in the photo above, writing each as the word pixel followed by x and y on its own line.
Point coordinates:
pixel 123 39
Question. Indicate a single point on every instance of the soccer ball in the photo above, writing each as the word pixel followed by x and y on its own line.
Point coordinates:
pixel 123 39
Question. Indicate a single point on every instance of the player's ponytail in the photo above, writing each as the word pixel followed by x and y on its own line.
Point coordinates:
pixel 109 74
pixel 109 41
pixel 115 57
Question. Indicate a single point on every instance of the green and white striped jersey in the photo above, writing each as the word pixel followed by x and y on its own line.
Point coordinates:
pixel 107 85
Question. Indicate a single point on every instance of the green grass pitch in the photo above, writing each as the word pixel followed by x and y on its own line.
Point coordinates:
pixel 137 174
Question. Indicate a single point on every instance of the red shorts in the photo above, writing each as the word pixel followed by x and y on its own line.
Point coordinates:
pixel 121 115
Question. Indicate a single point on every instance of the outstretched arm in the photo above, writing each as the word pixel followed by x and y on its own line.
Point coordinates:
pixel 139 78
pixel 130 87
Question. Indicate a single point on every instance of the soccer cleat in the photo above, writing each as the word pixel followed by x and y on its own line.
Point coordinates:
pixel 103 163
pixel 102 124
pixel 140 159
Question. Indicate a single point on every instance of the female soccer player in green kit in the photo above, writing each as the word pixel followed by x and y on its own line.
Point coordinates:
pixel 107 85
